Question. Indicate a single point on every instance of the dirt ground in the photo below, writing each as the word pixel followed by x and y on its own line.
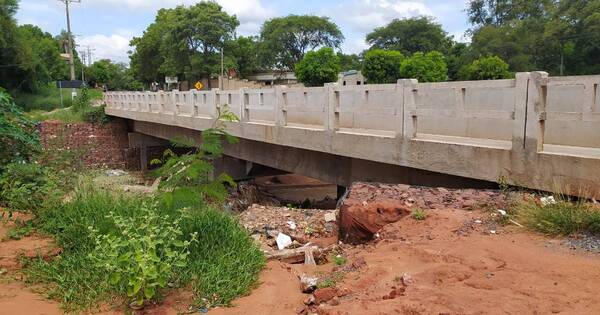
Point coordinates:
pixel 455 261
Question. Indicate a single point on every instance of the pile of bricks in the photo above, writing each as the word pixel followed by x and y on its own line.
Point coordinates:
pixel 100 145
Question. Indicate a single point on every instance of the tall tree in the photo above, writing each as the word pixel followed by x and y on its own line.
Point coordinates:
pixel 285 40
pixel 9 68
pixel 147 57
pixel 420 34
pixel 382 66
pixel 318 67
pixel 349 62
pixel 499 12
pixel 242 55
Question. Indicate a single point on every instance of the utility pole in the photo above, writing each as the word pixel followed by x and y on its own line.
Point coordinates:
pixel 70 41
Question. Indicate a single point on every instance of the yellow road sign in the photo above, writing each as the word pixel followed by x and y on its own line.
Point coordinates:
pixel 198 85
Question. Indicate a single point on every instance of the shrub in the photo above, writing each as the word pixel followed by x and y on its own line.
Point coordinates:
pixel 430 67
pixel 19 140
pixel 25 186
pixel 486 68
pixel 318 67
pixel 419 214
pixel 143 254
pixel 382 66
pixel 96 115
pixel 562 218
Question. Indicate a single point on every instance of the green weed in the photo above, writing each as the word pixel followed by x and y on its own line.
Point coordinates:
pixel 419 214
pixel 562 218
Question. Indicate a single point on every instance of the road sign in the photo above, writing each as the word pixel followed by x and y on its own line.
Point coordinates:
pixel 171 80
pixel 198 85
pixel 75 84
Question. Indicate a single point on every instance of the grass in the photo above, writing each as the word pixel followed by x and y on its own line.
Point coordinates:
pixel 223 265
pixel 419 214
pixel 48 98
pixel 62 114
pixel 565 217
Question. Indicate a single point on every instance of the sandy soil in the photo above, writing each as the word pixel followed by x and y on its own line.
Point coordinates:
pixel 457 267
pixel 454 262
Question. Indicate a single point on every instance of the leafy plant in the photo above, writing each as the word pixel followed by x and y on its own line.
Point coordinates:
pixel 339 260
pixel 430 67
pixel 188 178
pixel 382 66
pixel 25 186
pixel 419 214
pixel 96 115
pixel 486 68
pixel 318 67
pixel 142 257
pixel 19 140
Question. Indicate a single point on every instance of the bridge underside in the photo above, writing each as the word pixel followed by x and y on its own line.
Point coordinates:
pixel 335 169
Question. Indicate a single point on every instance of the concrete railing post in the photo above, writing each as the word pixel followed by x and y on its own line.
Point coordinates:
pixel 332 118
pixel 410 107
pixel 280 106
pixel 216 100
pixel 540 81
pixel 244 104
pixel 399 108
pixel 520 109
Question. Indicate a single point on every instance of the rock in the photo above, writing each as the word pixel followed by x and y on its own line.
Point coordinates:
pixel 301 310
pixel 502 212
pixel 308 284
pixel 111 173
pixel 407 279
pixel 359 224
pixel 330 216
pixel 334 302
pixel 309 300
pixel 547 201
pixel 283 241
pixel 325 294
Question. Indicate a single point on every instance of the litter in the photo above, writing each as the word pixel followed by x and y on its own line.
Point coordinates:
pixel 283 241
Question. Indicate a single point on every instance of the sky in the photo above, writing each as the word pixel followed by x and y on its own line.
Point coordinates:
pixel 107 26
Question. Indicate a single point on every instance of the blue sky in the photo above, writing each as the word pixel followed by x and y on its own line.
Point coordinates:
pixel 108 25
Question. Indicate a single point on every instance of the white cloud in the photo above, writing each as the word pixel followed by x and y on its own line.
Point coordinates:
pixel 365 15
pixel 113 47
pixel 250 13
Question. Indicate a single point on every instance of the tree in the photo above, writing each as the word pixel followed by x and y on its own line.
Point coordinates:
pixel 486 68
pixel 115 75
pixel 285 40
pixel 349 62
pixel 430 67
pixel 184 42
pixel 242 53
pixel 318 67
pixel 382 66
pixel 420 34
pixel 18 137
pixel 499 12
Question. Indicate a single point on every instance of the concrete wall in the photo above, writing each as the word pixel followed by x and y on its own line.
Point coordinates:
pixel 532 131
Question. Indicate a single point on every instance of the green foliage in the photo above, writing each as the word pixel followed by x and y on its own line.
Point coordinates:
pixel 382 66
pixel 183 41
pixel 187 177
pixel 486 68
pixel 318 67
pixel 242 55
pixel 562 218
pixel 411 35
pixel 96 115
pixel 285 40
pixel 143 255
pixel 116 76
pixel 25 186
pixel 419 214
pixel 349 62
pixel 18 137
pixel 430 67
pixel 339 260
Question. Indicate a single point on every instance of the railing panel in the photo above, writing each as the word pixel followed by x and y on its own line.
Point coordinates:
pixel 368 107
pixel 260 104
pixel 305 106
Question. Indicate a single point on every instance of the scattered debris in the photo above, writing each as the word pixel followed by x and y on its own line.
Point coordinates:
pixel 291 224
pixel 111 173
pixel 308 285
pixel 309 258
pixel 502 212
pixel 549 200
pixel 407 279
pixel 283 241
pixel 330 216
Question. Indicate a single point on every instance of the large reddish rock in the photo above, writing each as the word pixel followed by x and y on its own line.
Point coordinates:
pixel 363 213
pixel 325 294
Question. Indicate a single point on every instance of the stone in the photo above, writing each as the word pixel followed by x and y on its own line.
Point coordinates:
pixel 283 241
pixel 325 294
pixel 307 283
pixel 359 223
pixel 407 279
pixel 309 300
pixel 301 310
pixel 334 302
pixel 330 216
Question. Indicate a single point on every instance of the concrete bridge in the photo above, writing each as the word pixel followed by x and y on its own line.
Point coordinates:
pixel 533 131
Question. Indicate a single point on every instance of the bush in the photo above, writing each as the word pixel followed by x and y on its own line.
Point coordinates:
pixel 19 140
pixel 96 115
pixel 382 66
pixel 143 254
pixel 318 67
pixel 25 186
pixel 430 67
pixel 562 218
pixel 486 68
